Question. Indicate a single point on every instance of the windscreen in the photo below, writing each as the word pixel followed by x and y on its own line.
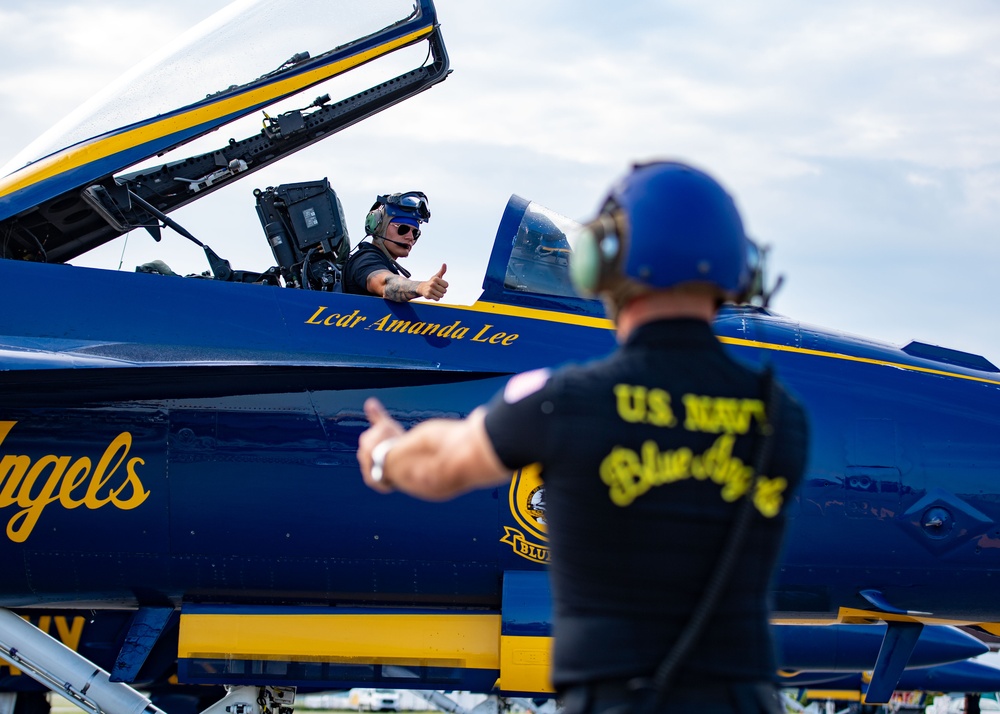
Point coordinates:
pixel 539 258
pixel 241 43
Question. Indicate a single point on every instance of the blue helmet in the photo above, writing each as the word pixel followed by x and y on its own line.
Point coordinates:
pixel 662 225
pixel 410 207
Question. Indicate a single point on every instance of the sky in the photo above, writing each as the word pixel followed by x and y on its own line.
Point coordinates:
pixel 860 140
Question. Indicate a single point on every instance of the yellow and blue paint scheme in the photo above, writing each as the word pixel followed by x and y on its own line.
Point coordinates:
pixel 207 456
pixel 190 444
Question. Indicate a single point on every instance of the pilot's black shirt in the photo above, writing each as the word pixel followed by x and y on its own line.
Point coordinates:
pixel 644 458
pixel 365 260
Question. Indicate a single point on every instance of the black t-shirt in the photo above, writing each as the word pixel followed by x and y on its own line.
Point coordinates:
pixel 645 455
pixel 366 260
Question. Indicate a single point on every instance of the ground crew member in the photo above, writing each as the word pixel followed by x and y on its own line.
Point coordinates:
pixel 394 225
pixel 648 457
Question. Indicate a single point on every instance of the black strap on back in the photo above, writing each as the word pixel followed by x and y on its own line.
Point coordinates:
pixel 664 674
pixel 371 246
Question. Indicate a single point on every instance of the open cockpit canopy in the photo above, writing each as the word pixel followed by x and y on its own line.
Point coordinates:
pixel 65 194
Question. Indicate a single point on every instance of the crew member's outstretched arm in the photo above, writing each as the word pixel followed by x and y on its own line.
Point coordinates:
pixel 436 460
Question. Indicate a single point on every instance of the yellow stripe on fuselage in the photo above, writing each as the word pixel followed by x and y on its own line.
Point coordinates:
pixel 533 313
pixel 606 324
pixel 96 149
pixel 426 640
pixel 852 358
pixel 853 616
pixel 468 641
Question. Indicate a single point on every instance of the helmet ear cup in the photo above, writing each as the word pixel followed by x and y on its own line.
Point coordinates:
pixel 373 220
pixel 585 265
pixel 596 262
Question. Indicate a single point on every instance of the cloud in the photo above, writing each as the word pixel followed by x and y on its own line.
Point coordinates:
pixel 858 138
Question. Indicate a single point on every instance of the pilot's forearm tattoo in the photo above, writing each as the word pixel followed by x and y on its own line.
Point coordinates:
pixel 399 289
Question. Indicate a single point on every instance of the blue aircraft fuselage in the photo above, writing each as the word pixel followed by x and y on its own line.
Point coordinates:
pixel 188 444
pixel 176 439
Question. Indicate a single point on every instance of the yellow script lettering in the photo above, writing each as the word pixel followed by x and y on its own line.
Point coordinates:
pixel 454 330
pixel 314 320
pixel 23 522
pixel 481 333
pixel 497 338
pixel 660 413
pixel 347 320
pixel 122 443
pixel 424 328
pixel 631 402
pixel 721 415
pixel 628 474
pixel 767 495
pixel 453 327
pixel 32 486
pixel 139 494
pixel 12 470
pixel 637 404
pixel 335 319
pixel 75 476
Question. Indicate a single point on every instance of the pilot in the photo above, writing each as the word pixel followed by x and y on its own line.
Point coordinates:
pixel 394 226
pixel 667 465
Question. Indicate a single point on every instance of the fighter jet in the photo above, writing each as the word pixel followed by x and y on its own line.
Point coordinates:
pixel 181 449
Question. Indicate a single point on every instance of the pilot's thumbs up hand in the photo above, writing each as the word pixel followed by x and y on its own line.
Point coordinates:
pixel 383 427
pixel 436 286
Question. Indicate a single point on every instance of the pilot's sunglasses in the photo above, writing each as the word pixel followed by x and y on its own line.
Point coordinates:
pixel 402 229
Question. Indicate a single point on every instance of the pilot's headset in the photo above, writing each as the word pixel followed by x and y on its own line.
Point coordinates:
pixel 663 224
pixel 412 204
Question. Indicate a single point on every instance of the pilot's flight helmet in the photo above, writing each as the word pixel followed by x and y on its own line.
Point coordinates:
pixel 410 207
pixel 663 224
